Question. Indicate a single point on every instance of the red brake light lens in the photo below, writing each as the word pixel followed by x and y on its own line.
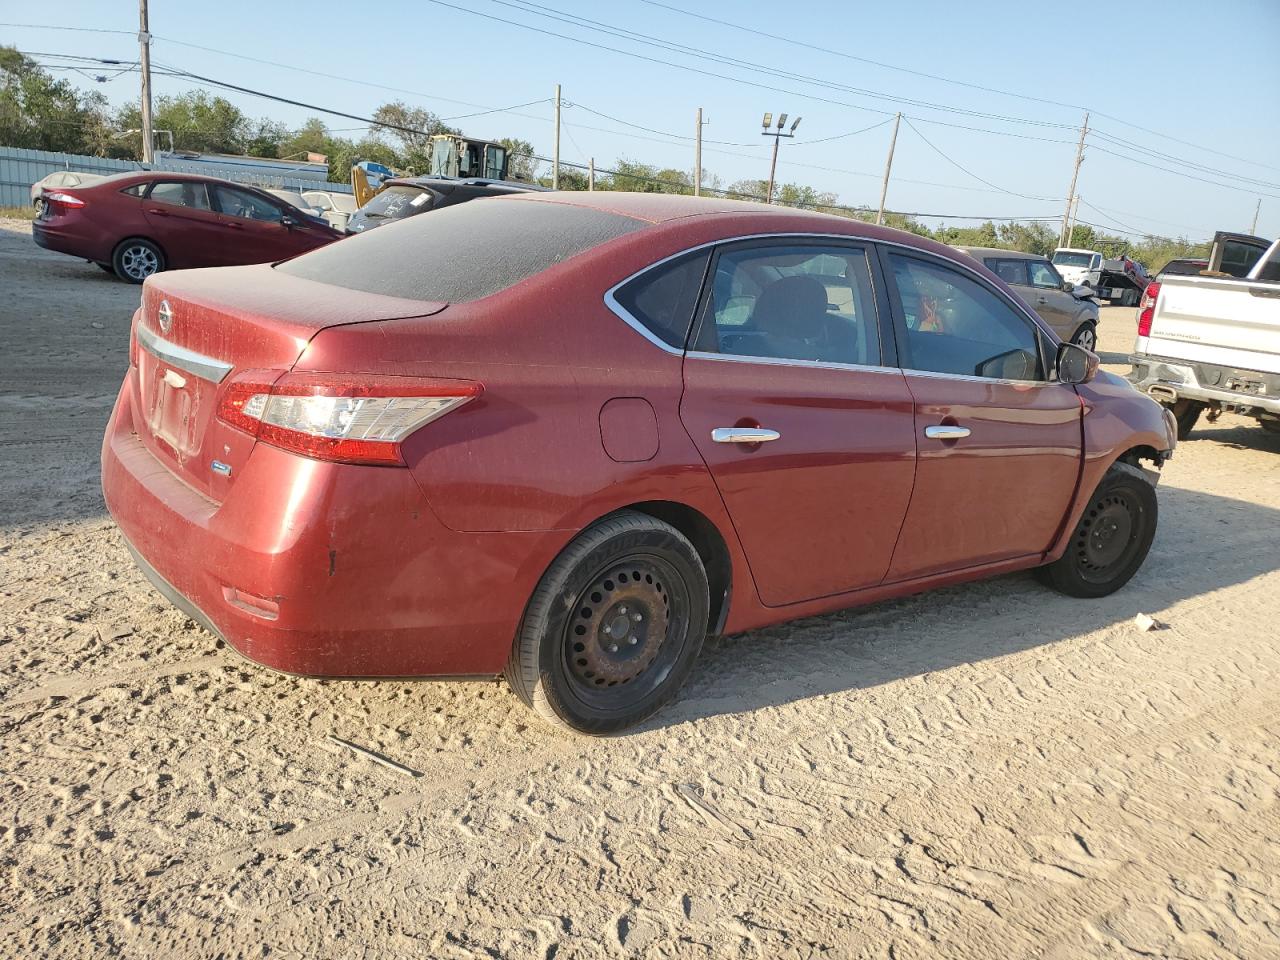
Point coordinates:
pixel 336 417
pixel 1147 309
pixel 66 199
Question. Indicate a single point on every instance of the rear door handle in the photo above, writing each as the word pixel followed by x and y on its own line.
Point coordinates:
pixel 743 435
pixel 158 212
pixel 946 432
pixel 232 224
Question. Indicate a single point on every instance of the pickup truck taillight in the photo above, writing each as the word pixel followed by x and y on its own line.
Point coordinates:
pixel 1147 309
pixel 337 417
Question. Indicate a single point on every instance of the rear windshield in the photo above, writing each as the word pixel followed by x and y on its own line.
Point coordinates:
pixel 396 202
pixel 463 252
pixel 1064 259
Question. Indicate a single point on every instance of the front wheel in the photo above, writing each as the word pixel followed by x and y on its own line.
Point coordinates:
pixel 1112 538
pixel 136 259
pixel 1271 426
pixel 614 626
pixel 1087 336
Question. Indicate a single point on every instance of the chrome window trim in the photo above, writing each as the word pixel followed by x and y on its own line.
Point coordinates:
pixel 788 362
pixel 196 364
pixel 616 308
pixel 971 378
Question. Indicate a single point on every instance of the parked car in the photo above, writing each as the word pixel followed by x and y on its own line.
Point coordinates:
pixel 61 178
pixel 336 208
pixel 296 200
pixel 137 224
pixel 566 436
pixel 408 196
pixel 1212 342
pixel 1066 306
pixel 1182 267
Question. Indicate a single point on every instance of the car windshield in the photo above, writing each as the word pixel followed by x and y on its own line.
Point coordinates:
pixel 1071 258
pixel 396 202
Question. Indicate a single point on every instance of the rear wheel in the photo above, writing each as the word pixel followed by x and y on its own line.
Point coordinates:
pixel 614 626
pixel 1112 538
pixel 1271 426
pixel 1130 298
pixel 1186 412
pixel 1086 336
pixel 136 259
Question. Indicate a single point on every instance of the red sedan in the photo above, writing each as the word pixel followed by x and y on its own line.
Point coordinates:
pixel 566 436
pixel 137 224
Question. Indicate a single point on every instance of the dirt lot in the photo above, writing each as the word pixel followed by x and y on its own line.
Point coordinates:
pixel 988 771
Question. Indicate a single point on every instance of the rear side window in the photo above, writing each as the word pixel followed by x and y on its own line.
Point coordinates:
pixel 461 253
pixel 137 190
pixel 181 193
pixel 663 299
pixel 1010 271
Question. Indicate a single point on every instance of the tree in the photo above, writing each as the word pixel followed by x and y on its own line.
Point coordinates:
pixel 521 161
pixel 38 112
pixel 1033 237
pixel 410 127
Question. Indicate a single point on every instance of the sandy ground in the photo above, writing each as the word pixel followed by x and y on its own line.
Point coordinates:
pixel 987 771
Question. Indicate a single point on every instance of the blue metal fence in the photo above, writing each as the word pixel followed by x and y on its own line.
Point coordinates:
pixel 19 169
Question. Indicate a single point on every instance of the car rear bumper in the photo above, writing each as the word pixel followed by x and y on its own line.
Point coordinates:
pixel 322 569
pixel 1169 380
pixel 61 240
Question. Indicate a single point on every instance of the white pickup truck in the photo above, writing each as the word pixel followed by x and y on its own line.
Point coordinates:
pixel 1212 341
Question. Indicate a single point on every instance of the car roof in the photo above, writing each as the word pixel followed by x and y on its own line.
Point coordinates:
pixel 976 252
pixel 741 217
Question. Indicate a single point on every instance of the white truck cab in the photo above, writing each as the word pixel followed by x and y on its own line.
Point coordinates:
pixel 1081 267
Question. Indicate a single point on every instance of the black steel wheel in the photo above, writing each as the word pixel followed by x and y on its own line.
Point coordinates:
pixel 614 626
pixel 1111 539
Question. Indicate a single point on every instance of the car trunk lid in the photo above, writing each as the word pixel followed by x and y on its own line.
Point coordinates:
pixel 197 330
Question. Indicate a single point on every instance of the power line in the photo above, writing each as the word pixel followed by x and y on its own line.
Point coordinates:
pixel 628 123
pixel 952 80
pixel 1001 189
pixel 838 136
pixel 551 13
pixel 1179 173
pixel 1203 168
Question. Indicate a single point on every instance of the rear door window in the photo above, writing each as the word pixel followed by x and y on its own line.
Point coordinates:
pixel 180 193
pixel 792 301
pixel 1010 270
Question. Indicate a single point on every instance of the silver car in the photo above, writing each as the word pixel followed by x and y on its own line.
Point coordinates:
pixel 1070 310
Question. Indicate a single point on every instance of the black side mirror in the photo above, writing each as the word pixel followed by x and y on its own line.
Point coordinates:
pixel 1076 364
pixel 288 222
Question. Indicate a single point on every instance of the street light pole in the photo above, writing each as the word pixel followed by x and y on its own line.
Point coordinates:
pixel 777 133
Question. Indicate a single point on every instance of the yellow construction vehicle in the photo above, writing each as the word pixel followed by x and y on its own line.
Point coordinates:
pixel 451 156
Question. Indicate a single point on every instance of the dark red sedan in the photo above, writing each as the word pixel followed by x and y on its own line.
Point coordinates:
pixel 566 436
pixel 137 224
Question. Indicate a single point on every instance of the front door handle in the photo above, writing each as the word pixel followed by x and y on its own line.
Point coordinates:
pixel 949 431
pixel 743 435
pixel 159 213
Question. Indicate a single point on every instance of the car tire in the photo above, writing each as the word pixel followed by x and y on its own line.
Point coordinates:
pixel 108 268
pixel 1129 299
pixel 136 259
pixel 1271 426
pixel 1186 413
pixel 1086 336
pixel 613 628
pixel 1111 539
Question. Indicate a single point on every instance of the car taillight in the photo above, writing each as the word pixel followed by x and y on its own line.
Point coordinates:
pixel 66 199
pixel 338 417
pixel 1147 309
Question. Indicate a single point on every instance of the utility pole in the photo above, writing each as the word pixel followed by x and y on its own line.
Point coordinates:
pixel 144 41
pixel 697 157
pixel 555 163
pixel 1071 224
pixel 888 166
pixel 1253 228
pixel 591 174
pixel 1071 192
pixel 777 135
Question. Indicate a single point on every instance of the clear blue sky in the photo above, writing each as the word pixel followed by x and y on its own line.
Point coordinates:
pixel 1204 73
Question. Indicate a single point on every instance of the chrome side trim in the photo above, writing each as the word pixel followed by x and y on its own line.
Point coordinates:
pixel 196 364
pixel 784 362
pixel 934 375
